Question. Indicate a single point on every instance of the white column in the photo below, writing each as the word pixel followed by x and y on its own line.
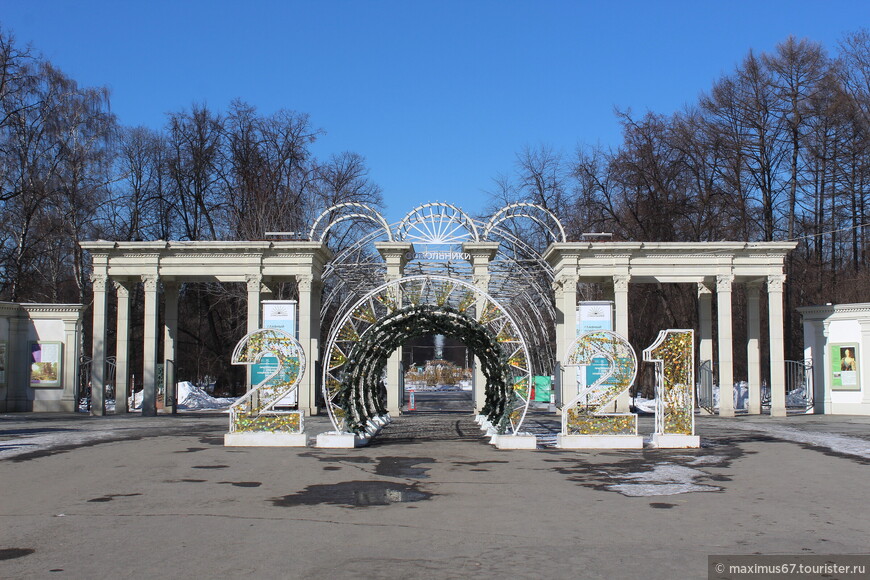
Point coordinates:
pixel 98 362
pixel 122 354
pixel 726 352
pixel 69 398
pixel 149 361
pixel 309 338
pixel 705 322
pixel 566 330
pixel 170 332
pixel 481 281
pixel 753 348
pixel 620 300
pixel 395 256
pixel 252 281
pixel 863 371
pixel 777 345
pixel 824 360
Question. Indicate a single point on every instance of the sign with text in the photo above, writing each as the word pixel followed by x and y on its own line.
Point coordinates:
pixel 592 316
pixel 280 314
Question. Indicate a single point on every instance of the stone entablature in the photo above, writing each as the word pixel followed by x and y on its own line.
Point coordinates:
pixel 207 261
pixel 677 262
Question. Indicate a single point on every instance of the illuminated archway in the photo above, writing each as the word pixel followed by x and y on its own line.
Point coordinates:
pixel 380 322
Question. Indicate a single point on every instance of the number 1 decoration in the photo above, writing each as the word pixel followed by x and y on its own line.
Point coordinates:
pixel 673 354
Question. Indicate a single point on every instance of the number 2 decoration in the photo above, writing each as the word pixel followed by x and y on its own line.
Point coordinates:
pixel 673 356
pixel 255 410
pixel 586 413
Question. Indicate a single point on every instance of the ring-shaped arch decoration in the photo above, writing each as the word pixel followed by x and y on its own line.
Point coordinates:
pixel 357 211
pixel 531 211
pixel 379 322
pixel 437 223
pixel 254 411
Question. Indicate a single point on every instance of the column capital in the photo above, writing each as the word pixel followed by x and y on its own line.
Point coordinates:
pixel 99 282
pixel 122 288
pixel 481 282
pixel 775 282
pixel 620 282
pixel 723 282
pixel 253 282
pixel 305 282
pixel 149 281
pixel 565 282
pixel 753 291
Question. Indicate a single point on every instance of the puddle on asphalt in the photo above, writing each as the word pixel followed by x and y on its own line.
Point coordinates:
pixel 12 553
pixel 110 497
pixel 242 483
pixel 403 467
pixel 354 494
pixel 191 450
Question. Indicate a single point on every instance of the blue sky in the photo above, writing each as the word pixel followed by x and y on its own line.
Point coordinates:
pixel 438 96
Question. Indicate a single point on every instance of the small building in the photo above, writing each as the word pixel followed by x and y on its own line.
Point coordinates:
pixel 39 356
pixel 837 344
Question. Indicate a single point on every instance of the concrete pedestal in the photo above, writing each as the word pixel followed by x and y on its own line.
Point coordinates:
pixel 521 441
pixel 265 439
pixel 599 441
pixel 672 441
pixel 334 440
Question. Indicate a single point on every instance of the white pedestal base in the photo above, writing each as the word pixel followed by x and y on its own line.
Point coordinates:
pixel 333 440
pixel 522 441
pixel 265 439
pixel 599 441
pixel 672 441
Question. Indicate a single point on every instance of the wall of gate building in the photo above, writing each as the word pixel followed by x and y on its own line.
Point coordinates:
pixel 837 343
pixel 39 356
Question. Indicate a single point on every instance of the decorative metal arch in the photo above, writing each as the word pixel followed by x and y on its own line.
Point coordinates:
pixel 534 212
pixel 359 211
pixel 451 298
pixel 437 223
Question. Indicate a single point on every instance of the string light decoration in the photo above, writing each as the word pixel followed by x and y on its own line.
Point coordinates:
pixel 255 410
pixel 584 414
pixel 383 320
pixel 673 354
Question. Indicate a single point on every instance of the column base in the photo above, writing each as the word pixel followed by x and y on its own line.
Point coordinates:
pixel 336 440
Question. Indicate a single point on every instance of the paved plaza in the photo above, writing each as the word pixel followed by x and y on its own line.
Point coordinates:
pixel 133 497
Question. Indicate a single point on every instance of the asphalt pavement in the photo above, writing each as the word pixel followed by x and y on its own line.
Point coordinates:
pixel 134 497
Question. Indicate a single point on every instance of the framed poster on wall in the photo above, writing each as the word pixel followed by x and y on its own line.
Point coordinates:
pixel 45 364
pixel 844 367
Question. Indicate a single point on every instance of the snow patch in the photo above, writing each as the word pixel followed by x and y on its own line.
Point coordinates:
pixel 664 479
